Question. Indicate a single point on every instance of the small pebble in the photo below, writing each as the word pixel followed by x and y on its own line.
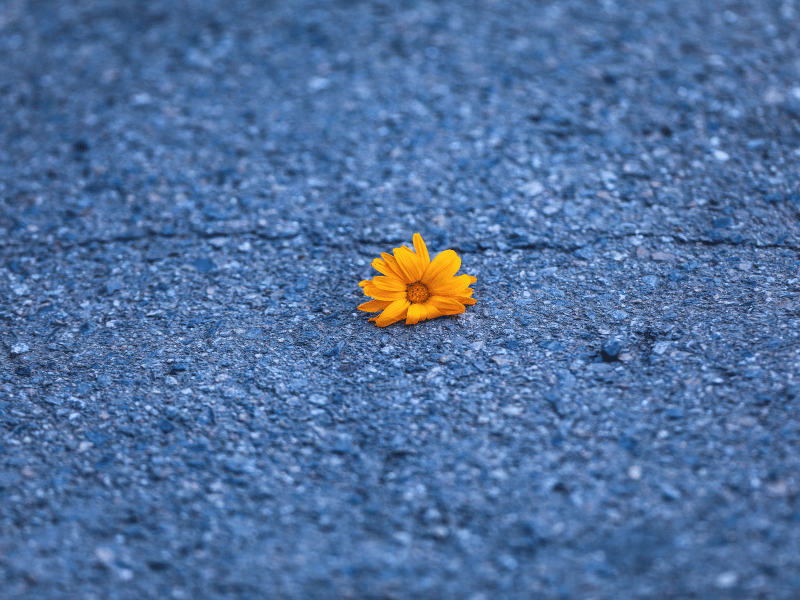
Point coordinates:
pixel 651 280
pixel 204 265
pixel 727 580
pixel 610 351
pixel 19 348
pixel 675 413
pixel 662 256
pixel 661 347
pixel 318 399
pixel 722 222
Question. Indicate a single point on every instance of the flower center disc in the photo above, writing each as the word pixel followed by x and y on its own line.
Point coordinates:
pixel 417 292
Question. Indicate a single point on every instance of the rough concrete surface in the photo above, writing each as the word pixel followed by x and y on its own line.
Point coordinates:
pixel 190 405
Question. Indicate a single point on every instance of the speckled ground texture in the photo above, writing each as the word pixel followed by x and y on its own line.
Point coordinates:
pixel 190 405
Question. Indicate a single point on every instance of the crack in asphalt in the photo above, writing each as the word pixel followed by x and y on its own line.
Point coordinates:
pixel 511 246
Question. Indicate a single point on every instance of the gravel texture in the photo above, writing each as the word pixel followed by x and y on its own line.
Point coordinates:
pixel 190 405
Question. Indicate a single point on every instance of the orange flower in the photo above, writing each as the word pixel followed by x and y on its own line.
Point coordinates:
pixel 414 287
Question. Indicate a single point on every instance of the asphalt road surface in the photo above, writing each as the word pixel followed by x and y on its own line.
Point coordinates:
pixel 191 406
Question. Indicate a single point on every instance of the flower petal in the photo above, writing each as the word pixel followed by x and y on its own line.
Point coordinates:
pixel 374 305
pixel 422 250
pixel 393 313
pixel 410 263
pixel 473 279
pixel 391 284
pixel 415 313
pixel 393 321
pixel 446 306
pixel 464 300
pixel 449 287
pixel 381 266
pixel 368 287
pixel 445 265
pixel 432 311
pixel 391 261
pixel 379 294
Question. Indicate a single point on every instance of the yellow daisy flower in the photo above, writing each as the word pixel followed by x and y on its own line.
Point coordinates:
pixel 414 287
